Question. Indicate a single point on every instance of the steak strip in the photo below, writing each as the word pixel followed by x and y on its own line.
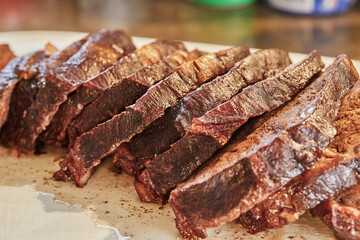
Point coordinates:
pixel 6 55
pixel 213 130
pixel 99 52
pixel 116 98
pixel 265 63
pixel 249 169
pixel 56 133
pixel 338 169
pixel 20 68
pixel 103 140
pixel 25 92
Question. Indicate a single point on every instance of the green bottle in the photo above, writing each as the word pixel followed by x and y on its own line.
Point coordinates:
pixel 224 4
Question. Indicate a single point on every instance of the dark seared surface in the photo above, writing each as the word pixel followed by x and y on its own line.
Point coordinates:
pixel 276 152
pixel 24 92
pixel 156 138
pixel 146 55
pixel 110 103
pixel 30 89
pixel 338 169
pixel 187 154
pixel 99 52
pixel 6 55
pixel 176 121
pixel 164 171
pixel 151 106
pixel 20 68
pixel 301 194
pixel 56 132
pixel 114 100
pixel 256 67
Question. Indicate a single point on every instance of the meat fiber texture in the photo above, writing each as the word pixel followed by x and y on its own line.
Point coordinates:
pixel 6 55
pixel 91 147
pixel 214 129
pixel 99 52
pixel 342 214
pixel 25 92
pixel 56 132
pixel 116 98
pixel 19 69
pixel 342 186
pixel 132 156
pixel 250 169
pixel 337 169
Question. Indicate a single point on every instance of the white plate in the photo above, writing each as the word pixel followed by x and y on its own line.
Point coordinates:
pixel 110 207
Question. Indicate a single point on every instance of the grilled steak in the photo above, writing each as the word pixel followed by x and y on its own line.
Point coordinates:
pixel 20 68
pixel 177 120
pixel 6 55
pixel 342 214
pixel 213 130
pixel 116 98
pixel 249 169
pixel 56 133
pixel 99 52
pixel 25 92
pixel 337 169
pixel 91 147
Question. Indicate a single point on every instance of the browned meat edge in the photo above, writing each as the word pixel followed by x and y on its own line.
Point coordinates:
pixel 115 99
pixel 249 170
pixel 146 75
pixel 20 68
pixel 92 146
pixel 337 169
pixel 159 136
pixel 56 132
pixel 214 129
pixel 99 52
pixel 25 92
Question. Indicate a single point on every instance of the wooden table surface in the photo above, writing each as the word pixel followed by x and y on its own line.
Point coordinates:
pixel 256 26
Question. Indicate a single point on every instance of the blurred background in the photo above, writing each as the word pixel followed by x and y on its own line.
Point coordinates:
pixel 240 22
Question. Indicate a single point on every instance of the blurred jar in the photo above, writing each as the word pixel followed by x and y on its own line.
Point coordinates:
pixel 224 4
pixel 311 7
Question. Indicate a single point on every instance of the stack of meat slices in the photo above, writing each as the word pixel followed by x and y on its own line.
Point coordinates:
pixel 220 136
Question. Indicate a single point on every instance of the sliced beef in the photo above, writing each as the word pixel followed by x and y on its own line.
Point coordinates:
pixel 56 132
pixel 337 169
pixel 213 130
pixel 251 168
pixel 6 55
pixel 99 52
pixel 342 214
pixel 20 68
pixel 176 121
pixel 333 182
pixel 324 180
pixel 25 92
pixel 91 147
pixel 116 98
